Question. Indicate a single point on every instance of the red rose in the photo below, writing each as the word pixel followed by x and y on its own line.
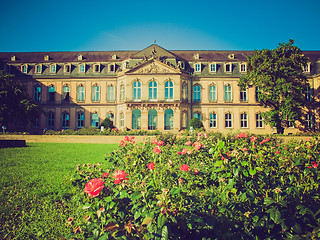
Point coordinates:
pixel 119 176
pixel 277 152
pixel 94 187
pixel 185 167
pixel 188 143
pixel 151 165
pixel 105 175
pixel 157 149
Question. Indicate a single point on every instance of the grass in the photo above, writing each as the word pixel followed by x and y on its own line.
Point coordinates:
pixel 34 194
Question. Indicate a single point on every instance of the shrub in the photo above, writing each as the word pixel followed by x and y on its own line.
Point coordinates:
pixel 195 123
pixel 107 123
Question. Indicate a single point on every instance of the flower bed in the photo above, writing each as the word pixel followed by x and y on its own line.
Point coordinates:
pixel 196 186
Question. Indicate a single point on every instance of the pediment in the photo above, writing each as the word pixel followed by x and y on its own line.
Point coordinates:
pixel 154 67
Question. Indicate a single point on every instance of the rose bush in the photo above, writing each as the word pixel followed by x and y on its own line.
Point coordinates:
pixel 195 186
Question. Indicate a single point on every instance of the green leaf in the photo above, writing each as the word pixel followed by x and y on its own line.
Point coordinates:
pixel 86 206
pixel 146 221
pixel 162 219
pixel 174 191
pixel 255 218
pixel 136 195
pixel 164 233
pixel 268 201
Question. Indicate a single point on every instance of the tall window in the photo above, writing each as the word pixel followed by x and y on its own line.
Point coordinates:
pixel 110 97
pixel 309 94
pixel 228 120
pixel 309 121
pixel 153 90
pixel 50 120
pixel 65 120
pixel 243 95
pixel 212 93
pixel 121 92
pixel 95 93
pixel 37 93
pixel 66 93
pixel 137 90
pixel 168 90
pixel 136 119
pixel 95 120
pixel 213 120
pixel 228 93
pixel 185 92
pixel 184 119
pixel 259 120
pixel 168 119
pixel 80 93
pixel 51 93
pixel 152 119
pixel 121 115
pixel 197 93
pixel 80 119
pixel 244 120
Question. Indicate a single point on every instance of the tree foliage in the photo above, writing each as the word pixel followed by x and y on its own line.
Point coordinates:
pixel 107 123
pixel 15 105
pixel 195 123
pixel 278 74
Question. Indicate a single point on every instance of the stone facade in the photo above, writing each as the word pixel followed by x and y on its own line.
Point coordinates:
pixel 149 89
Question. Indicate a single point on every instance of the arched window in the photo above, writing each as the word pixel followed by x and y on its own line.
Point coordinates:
pixel 137 90
pixel 168 119
pixel 95 93
pixel 197 93
pixel 51 93
pixel 153 90
pixel 212 93
pixel 37 93
pixel 65 120
pixel 185 92
pixel 95 120
pixel 152 119
pixel 110 97
pixel 136 119
pixel 121 115
pixel 66 93
pixel 213 120
pixel 80 93
pixel 244 120
pixel 228 93
pixel 80 119
pixel 168 90
pixel 184 119
pixel 121 92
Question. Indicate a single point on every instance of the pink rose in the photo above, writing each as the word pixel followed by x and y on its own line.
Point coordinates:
pixel 94 187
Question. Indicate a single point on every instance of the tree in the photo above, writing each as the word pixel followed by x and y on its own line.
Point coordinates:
pixel 15 105
pixel 107 123
pixel 278 76
pixel 195 123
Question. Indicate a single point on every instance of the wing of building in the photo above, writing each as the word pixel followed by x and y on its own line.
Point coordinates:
pixel 150 89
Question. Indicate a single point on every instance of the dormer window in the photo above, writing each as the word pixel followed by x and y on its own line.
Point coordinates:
pixel 228 67
pixel 38 69
pixel 24 68
pixel 96 68
pixel 80 57
pixel 112 67
pixel 197 67
pixel 124 65
pixel 181 64
pixel 82 68
pixel 13 58
pixel 114 56
pixel 306 68
pixel 53 68
pixel 243 67
pixel 46 58
pixel 231 56
pixel 67 68
pixel 196 56
pixel 213 67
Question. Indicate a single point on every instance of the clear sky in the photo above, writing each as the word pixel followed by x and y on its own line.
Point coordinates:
pixel 62 25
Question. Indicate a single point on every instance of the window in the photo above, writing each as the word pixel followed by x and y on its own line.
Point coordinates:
pixel 197 67
pixel 228 120
pixel 243 95
pixel 80 119
pixel 197 115
pixel 96 68
pixel 259 120
pixel 37 93
pixel 184 92
pixel 50 120
pixel 80 57
pixel 244 120
pixel 80 93
pixel 53 68
pixel 38 69
pixel 51 93
pixel 306 68
pixel 309 94
pixel 65 120
pixel 95 93
pixel 82 68
pixel 24 68
pixel 213 67
pixel 228 67
pixel 309 121
pixel 153 90
pixel 112 67
pixel 227 93
pixel 212 93
pixel 243 67
pixel 136 119
pixel 110 97
pixel 67 68
pixel 36 122
pixel 152 119
pixel 168 90
pixel 168 119
pixel 66 93
pixel 136 91
pixel 124 65
pixel 197 93
pixel 184 119
pixel 213 120
pixel 121 119
pixel 121 92
pixel 95 120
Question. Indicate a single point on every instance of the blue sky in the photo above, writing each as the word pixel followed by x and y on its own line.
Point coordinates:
pixel 62 25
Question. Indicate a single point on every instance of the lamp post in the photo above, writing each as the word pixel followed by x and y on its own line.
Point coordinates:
pixel 4 129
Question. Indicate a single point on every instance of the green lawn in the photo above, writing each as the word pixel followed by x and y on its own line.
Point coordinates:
pixel 33 189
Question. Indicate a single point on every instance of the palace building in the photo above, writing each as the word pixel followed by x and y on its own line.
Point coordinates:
pixel 149 89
